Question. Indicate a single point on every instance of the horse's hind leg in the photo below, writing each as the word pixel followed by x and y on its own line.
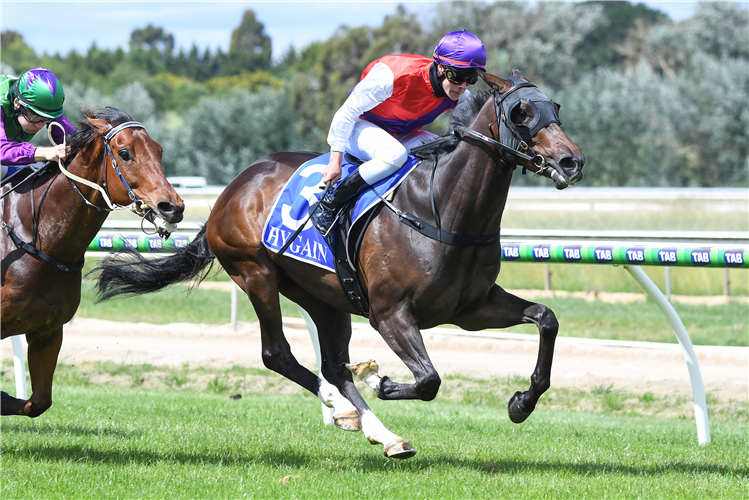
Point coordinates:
pixel 502 310
pixel 42 360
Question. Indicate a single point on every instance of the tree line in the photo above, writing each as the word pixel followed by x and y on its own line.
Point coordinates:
pixel 651 102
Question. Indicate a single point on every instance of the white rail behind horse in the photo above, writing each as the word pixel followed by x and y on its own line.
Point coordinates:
pixel 629 249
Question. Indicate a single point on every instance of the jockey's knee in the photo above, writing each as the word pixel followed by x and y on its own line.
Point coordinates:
pixel 385 164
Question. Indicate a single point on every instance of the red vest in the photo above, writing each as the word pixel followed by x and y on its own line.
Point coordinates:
pixel 413 103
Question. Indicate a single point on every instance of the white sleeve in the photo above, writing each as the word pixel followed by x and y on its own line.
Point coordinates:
pixel 374 89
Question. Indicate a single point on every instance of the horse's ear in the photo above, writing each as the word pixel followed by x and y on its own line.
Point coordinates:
pixel 517 74
pixel 495 82
pixel 101 126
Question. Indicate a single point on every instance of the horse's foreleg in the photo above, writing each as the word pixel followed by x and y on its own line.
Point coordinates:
pixel 259 281
pixel 42 358
pixel 351 411
pixel 502 310
pixel 334 350
pixel 400 331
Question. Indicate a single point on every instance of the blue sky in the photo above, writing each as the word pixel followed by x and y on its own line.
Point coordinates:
pixel 59 26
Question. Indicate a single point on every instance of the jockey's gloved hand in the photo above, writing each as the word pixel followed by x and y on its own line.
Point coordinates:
pixel 51 153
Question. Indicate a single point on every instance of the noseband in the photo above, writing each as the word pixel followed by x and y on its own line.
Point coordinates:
pixel 518 152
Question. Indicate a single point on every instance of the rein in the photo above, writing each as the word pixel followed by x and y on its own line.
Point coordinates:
pixel 164 228
pixel 535 163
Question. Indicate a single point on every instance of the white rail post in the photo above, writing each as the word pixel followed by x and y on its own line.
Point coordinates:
pixel 327 413
pixel 19 368
pixel 234 306
pixel 698 389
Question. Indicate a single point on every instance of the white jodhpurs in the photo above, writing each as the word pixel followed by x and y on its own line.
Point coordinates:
pixel 382 153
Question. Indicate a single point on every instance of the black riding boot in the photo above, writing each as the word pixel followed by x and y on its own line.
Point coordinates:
pixel 325 212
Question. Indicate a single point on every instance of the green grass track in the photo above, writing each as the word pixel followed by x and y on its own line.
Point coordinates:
pixel 108 442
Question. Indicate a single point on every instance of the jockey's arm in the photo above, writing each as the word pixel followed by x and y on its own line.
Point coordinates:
pixel 14 153
pixel 373 90
pixel 24 153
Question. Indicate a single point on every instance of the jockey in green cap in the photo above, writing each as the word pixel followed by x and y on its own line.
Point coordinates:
pixel 28 103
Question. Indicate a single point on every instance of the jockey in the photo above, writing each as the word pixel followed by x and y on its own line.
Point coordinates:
pixel 382 118
pixel 28 103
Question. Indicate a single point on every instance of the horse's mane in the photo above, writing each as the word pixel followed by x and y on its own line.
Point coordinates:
pixel 87 132
pixel 463 115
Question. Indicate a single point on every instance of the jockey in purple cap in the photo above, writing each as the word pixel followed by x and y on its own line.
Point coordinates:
pixel 382 118
pixel 28 103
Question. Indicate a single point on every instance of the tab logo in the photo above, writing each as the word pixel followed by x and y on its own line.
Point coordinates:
pixel 667 256
pixel 604 254
pixel 541 252
pixel 155 244
pixel 734 258
pixel 635 255
pixel 701 257
pixel 511 252
pixel 572 254
pixel 181 241
pixel 131 242
pixel 106 242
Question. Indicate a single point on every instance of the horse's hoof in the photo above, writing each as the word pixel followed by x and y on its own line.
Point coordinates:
pixel 348 421
pixel 13 406
pixel 516 414
pixel 399 449
pixel 363 368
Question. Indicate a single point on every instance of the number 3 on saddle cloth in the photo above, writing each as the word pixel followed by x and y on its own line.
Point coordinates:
pixel 302 191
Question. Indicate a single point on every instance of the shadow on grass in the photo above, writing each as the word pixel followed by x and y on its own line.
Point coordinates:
pixel 372 463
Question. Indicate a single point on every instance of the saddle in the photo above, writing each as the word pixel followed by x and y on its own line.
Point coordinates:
pixel 346 244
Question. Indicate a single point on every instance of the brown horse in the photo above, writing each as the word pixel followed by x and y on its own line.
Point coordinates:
pixel 412 281
pixel 49 220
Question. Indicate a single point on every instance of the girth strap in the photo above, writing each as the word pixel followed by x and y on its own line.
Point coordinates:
pixel 34 251
pixel 430 231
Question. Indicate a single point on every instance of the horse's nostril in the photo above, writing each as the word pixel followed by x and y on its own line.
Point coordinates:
pixel 165 207
pixel 569 164
pixel 169 211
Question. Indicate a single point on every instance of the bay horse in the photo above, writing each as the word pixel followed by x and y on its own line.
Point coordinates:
pixel 412 282
pixel 49 220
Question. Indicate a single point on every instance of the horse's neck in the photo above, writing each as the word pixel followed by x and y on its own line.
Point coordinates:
pixel 472 191
pixel 67 222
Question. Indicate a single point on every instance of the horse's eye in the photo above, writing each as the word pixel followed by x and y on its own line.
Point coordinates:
pixel 522 115
pixel 125 154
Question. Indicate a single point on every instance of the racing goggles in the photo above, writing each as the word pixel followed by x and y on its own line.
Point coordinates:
pixel 32 117
pixel 458 76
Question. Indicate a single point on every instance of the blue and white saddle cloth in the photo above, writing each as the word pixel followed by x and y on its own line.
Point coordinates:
pixel 304 190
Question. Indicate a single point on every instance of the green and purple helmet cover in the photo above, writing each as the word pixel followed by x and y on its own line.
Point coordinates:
pixel 40 91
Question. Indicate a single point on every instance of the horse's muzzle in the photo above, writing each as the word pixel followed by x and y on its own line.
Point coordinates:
pixel 171 212
pixel 569 170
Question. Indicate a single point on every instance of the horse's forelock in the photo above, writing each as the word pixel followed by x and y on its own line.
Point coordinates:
pixel 87 132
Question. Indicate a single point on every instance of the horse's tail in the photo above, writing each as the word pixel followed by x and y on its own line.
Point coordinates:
pixel 120 275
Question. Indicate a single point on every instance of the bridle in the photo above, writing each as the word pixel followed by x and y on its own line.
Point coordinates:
pixel 137 206
pixel 163 228
pixel 111 206
pixel 525 156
